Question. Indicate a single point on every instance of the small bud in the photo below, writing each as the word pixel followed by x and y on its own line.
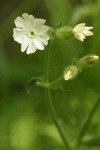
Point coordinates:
pixel 70 72
pixel 88 60
pixel 64 32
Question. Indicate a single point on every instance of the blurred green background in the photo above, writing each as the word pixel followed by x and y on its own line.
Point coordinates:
pixel 25 123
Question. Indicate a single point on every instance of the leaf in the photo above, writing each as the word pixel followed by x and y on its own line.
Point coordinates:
pixel 60 90
pixel 93 142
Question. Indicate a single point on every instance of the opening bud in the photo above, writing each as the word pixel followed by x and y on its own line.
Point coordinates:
pixel 88 60
pixel 70 72
pixel 64 32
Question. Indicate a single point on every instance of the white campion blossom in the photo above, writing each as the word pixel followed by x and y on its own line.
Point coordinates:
pixel 31 33
pixel 80 31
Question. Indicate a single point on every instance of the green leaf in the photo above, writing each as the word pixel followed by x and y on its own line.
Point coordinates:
pixel 93 142
pixel 60 90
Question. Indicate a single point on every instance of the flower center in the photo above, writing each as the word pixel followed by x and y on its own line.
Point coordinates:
pixel 31 34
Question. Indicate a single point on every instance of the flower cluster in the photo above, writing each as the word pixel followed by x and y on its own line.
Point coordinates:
pixel 32 33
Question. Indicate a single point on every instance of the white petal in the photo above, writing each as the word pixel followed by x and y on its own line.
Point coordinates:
pixel 28 20
pixel 80 25
pixel 87 33
pixel 45 36
pixel 39 22
pixel 44 39
pixel 38 43
pixel 20 23
pixel 80 37
pixel 19 32
pixel 24 45
pixel 90 33
pixel 88 28
pixel 31 48
pixel 45 42
pixel 28 17
pixel 17 39
pixel 42 29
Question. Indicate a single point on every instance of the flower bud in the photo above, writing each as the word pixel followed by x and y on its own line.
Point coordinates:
pixel 64 32
pixel 88 60
pixel 70 72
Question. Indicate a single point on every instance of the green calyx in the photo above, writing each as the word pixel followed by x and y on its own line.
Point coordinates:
pixel 64 32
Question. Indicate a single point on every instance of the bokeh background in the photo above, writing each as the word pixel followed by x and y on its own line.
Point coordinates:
pixel 25 123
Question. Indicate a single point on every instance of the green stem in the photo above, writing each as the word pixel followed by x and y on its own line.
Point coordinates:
pixel 54 118
pixel 87 123
pixel 55 81
pixel 47 62
pixel 48 98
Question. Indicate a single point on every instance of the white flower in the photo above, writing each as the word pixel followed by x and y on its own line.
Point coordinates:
pixel 80 31
pixel 31 33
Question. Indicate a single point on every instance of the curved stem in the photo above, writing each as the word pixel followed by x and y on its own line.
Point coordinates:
pixel 48 98
pixel 87 123
pixel 54 118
